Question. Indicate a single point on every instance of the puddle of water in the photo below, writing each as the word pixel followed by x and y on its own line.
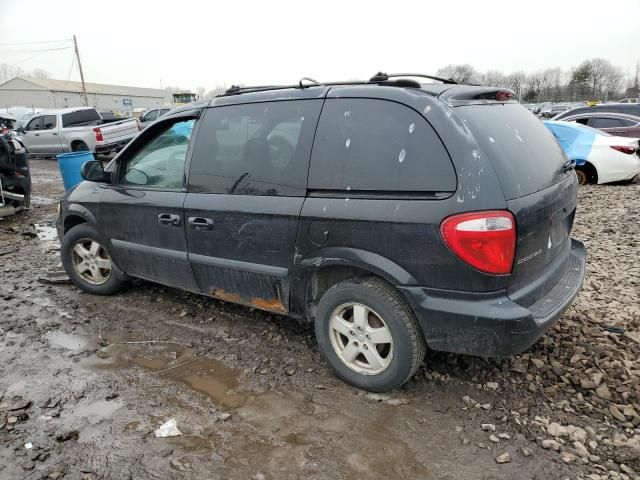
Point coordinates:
pixel 66 340
pixel 97 411
pixel 38 200
pixel 48 237
pixel 204 375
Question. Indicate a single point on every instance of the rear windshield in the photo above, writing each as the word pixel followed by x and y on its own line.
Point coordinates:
pixel 523 152
pixel 80 117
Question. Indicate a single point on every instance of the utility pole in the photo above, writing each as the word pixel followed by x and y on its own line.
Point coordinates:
pixel 84 89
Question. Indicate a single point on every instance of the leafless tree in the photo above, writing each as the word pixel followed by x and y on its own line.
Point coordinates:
pixel 463 73
pixel 200 91
pixel 40 73
pixel 218 90
pixel 7 72
pixel 600 70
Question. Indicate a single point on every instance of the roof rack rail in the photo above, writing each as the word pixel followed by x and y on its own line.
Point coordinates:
pixel 306 82
pixel 313 83
pixel 383 77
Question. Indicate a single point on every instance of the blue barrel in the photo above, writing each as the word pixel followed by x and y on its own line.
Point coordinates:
pixel 70 164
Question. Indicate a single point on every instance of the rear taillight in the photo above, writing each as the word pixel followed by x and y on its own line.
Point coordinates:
pixel 484 240
pixel 627 150
pixel 98 133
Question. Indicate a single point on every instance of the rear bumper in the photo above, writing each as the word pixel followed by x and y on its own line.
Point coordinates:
pixel 113 146
pixel 492 324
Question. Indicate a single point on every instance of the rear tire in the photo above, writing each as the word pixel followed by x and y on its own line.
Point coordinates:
pixel 378 353
pixel 582 177
pixel 88 263
pixel 79 147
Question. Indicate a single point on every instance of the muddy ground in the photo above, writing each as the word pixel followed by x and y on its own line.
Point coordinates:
pixel 85 381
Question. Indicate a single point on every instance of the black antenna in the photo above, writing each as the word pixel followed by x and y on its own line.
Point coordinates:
pixel 310 80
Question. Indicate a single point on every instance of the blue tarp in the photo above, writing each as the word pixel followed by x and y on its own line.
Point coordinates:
pixel 576 140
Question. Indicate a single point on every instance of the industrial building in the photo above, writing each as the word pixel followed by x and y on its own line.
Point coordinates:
pixel 48 93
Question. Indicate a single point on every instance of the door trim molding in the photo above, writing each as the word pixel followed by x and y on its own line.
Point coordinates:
pixel 162 252
pixel 258 268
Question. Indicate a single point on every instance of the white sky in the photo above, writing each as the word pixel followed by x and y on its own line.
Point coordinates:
pixel 188 43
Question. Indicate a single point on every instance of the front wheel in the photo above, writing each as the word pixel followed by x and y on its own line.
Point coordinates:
pixel 369 334
pixel 88 263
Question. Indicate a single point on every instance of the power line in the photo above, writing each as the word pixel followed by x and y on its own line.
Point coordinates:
pixel 35 43
pixel 25 52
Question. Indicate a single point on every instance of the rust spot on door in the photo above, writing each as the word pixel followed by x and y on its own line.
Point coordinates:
pixel 273 304
pixel 226 296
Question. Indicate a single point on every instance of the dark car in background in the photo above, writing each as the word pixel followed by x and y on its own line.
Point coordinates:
pixel 618 124
pixel 626 108
pixel 394 214
pixel 151 116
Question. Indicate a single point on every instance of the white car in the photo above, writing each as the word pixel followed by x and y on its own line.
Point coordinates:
pixel 599 157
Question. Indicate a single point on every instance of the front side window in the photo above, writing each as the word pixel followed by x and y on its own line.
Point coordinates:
pixel 34 124
pixel 255 149
pixel 160 163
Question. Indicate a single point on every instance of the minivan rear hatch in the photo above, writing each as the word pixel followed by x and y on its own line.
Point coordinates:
pixel 539 189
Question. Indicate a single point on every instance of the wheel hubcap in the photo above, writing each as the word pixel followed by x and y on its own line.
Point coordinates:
pixel 91 261
pixel 361 338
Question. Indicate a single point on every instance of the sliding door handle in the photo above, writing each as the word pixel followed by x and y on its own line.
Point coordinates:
pixel 200 223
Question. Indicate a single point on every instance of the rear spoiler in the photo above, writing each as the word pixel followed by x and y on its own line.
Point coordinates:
pixel 472 95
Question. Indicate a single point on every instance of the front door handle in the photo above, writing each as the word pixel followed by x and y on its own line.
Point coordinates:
pixel 36 134
pixel 200 223
pixel 169 220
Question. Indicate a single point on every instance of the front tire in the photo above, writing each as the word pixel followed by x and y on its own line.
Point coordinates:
pixel 88 263
pixel 368 334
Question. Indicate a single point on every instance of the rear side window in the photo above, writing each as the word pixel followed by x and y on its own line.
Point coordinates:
pixel 604 122
pixel 377 145
pixel 255 149
pixel 49 122
pixel 80 117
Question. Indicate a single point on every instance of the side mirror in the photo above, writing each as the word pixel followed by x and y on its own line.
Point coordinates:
pixel 93 171
pixel 20 130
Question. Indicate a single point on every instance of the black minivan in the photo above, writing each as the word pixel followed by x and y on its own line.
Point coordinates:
pixel 394 214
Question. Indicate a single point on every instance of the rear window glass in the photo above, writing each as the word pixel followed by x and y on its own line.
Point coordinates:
pixel 80 117
pixel 523 152
pixel 377 145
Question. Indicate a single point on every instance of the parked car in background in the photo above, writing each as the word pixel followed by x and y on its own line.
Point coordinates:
pixel 344 204
pixel 15 178
pixel 613 123
pixel 628 100
pixel 598 156
pixel 151 116
pixel 74 129
pixel 626 108
pixel 552 109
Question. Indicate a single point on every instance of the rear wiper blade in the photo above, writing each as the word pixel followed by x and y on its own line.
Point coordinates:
pixel 568 165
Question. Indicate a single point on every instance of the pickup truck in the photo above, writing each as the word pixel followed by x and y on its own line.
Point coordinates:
pixel 74 129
